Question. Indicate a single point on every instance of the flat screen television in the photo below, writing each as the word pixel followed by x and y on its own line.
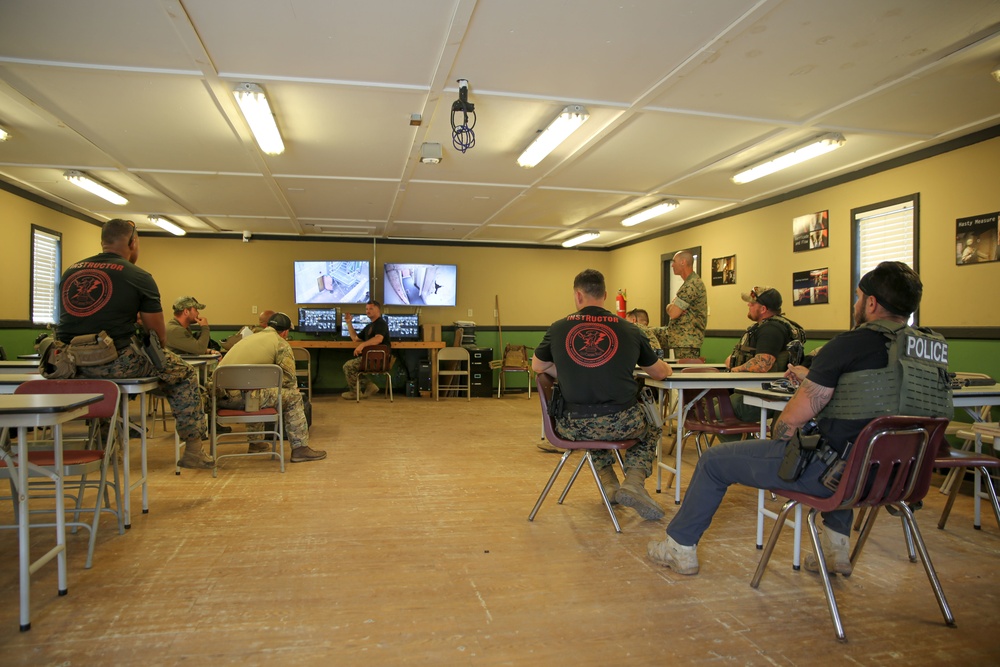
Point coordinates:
pixel 420 284
pixel 359 320
pixel 403 327
pixel 319 320
pixel 332 282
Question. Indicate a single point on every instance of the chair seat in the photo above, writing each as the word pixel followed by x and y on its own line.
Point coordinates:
pixel 958 458
pixel 591 444
pixel 729 426
pixel 71 457
pixel 263 412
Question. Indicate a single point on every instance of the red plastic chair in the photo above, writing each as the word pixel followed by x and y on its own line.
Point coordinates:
pixel 98 457
pixel 544 384
pixel 890 465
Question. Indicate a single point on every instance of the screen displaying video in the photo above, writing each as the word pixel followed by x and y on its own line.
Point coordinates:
pixel 332 282
pixel 420 284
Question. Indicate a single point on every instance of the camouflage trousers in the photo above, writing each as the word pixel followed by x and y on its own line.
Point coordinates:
pixel 178 382
pixel 293 413
pixel 625 425
pixel 687 352
pixel 352 369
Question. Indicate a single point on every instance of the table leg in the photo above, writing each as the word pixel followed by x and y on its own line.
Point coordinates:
pixel 23 536
pixel 143 458
pixel 434 371
pixel 60 510
pixel 126 467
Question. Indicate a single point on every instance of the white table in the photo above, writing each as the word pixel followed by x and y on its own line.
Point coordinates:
pixel 970 399
pixel 204 363
pixel 18 366
pixel 768 400
pixel 700 382
pixel 39 410
pixel 11 381
pixel 142 387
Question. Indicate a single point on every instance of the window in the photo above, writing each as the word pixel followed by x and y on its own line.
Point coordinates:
pixel 887 231
pixel 46 252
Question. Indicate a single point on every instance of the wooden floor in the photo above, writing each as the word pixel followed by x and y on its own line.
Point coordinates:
pixel 410 545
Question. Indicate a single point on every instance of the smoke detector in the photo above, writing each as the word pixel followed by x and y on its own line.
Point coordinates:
pixel 430 153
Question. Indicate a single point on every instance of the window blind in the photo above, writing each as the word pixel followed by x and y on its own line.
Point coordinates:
pixel 46 249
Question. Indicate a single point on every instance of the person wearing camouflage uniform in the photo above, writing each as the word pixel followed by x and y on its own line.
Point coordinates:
pixel 640 318
pixel 270 346
pixel 593 352
pixel 688 312
pixel 108 292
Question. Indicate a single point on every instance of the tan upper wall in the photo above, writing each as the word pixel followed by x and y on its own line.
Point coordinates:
pixel 534 285
pixel 958 184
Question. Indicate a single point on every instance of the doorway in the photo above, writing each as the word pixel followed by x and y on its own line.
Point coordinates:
pixel 669 282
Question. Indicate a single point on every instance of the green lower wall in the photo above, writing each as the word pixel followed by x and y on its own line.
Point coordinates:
pixel 981 356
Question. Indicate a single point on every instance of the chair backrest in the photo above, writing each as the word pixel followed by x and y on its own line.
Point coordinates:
pixel 105 408
pixel 714 407
pixel 247 376
pixel 516 356
pixel 301 354
pixel 891 460
pixel 700 369
pixel 545 383
pixel 453 354
pixel 691 360
pixel 375 359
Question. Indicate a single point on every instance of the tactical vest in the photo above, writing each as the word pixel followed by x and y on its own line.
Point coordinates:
pixel 746 349
pixel 915 381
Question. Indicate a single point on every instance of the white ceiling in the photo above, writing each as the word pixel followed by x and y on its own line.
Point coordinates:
pixel 681 93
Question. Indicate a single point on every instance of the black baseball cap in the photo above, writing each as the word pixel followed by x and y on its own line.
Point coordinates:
pixel 279 322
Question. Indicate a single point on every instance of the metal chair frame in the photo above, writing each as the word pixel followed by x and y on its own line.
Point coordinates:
pixel 302 354
pixel 461 355
pixel 376 360
pixel 97 456
pixel 544 385
pixel 889 465
pixel 245 378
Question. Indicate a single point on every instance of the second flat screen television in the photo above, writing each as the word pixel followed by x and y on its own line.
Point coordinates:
pixel 332 282
pixel 420 284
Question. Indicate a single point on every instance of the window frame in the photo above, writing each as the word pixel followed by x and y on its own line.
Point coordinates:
pixel 857 216
pixel 55 272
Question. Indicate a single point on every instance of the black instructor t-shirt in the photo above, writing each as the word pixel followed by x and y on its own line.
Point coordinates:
pixel 105 292
pixel 595 353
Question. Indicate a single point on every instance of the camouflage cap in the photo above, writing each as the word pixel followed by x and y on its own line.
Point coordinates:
pixel 187 302
pixel 768 297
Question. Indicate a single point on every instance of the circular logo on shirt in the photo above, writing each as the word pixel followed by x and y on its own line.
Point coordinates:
pixel 590 345
pixel 86 292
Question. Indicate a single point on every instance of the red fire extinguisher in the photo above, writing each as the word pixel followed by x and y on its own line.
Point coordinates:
pixel 620 301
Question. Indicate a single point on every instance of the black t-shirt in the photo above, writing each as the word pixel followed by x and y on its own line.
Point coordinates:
pixel 374 328
pixel 772 338
pixel 105 292
pixel 856 350
pixel 595 353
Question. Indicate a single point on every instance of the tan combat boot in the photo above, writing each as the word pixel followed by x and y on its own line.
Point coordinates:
pixel 836 552
pixel 609 482
pixel 632 493
pixel 679 558
pixel 194 456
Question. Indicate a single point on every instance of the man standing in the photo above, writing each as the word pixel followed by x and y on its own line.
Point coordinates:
pixel 179 336
pixel 270 346
pixel 688 312
pixel 836 392
pixel 764 346
pixel 593 352
pixel 376 333
pixel 108 292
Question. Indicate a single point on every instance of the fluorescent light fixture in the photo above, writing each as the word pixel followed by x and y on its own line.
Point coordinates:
pixel 167 225
pixel 4 134
pixel 81 180
pixel 565 124
pixel 651 212
pixel 815 148
pixel 580 238
pixel 257 111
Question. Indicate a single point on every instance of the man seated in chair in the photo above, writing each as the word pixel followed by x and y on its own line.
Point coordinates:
pixel 640 318
pixel 376 333
pixel 270 346
pixel 836 396
pixel 187 311
pixel 593 352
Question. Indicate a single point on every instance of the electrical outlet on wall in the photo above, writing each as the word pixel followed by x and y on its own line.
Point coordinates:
pixel 254 310
pixel 470 312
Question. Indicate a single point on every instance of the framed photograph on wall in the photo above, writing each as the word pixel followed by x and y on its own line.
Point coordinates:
pixel 724 270
pixel 976 239
pixel 810 232
pixel 811 287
